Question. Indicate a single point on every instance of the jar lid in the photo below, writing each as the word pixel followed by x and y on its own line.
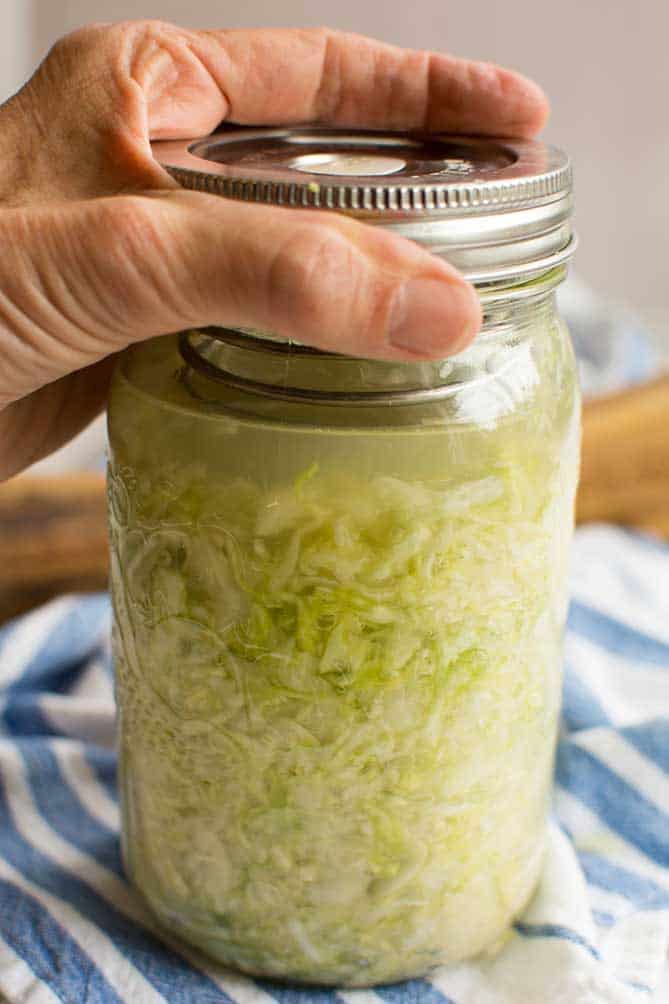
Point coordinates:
pixel 497 209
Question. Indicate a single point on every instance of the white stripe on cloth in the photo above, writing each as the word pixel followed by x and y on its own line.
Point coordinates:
pixel 541 971
pixel 83 718
pixel 241 988
pixel 116 969
pixel 628 692
pixel 622 758
pixel 606 901
pixel 95 683
pixel 591 833
pixel 19 983
pixel 81 778
pixel 624 577
pixel 25 639
pixel 359 997
pixel 635 948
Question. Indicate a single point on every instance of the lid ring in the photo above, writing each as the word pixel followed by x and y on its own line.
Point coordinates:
pixel 495 208
pixel 371 398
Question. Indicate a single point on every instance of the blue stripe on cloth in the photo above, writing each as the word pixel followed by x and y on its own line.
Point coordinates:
pixel 563 826
pixel 556 931
pixel 412 992
pixel 65 651
pixel 407 992
pixel 621 806
pixel 641 892
pixel 23 716
pixel 103 763
pixel 60 805
pixel 651 739
pixel 580 707
pixel 614 636
pixel 603 919
pixel 169 973
pixel 50 952
pixel 287 993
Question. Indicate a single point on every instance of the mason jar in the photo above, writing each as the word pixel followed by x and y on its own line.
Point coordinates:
pixel 340 584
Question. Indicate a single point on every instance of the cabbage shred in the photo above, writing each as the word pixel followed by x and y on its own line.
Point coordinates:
pixel 338 700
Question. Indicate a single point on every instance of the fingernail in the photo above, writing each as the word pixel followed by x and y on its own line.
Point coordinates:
pixel 430 317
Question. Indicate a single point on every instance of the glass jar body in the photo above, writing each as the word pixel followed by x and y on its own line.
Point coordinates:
pixel 337 645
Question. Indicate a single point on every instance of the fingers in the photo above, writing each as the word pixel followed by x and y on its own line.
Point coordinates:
pixel 86 117
pixel 81 281
pixel 278 76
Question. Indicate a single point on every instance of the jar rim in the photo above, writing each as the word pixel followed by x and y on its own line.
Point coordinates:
pixel 206 352
pixel 492 206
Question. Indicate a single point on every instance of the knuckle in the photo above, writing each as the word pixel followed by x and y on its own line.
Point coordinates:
pixel 77 53
pixel 147 32
pixel 328 97
pixel 322 281
pixel 103 48
pixel 77 41
pixel 76 66
pixel 312 257
pixel 107 34
pixel 327 34
pixel 324 34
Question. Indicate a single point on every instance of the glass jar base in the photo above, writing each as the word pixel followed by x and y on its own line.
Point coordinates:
pixel 352 975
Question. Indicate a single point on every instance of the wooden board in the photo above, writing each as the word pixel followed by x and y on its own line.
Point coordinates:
pixel 53 539
pixel 625 459
pixel 53 534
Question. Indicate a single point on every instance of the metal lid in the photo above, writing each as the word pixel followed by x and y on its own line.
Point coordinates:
pixel 497 209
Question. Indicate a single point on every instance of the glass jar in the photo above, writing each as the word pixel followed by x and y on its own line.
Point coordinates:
pixel 339 590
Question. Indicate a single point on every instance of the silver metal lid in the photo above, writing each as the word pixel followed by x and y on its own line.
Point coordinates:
pixel 497 209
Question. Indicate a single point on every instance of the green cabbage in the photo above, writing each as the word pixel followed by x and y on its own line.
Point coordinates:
pixel 338 693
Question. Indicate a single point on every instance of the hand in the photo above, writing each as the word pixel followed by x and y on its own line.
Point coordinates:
pixel 100 247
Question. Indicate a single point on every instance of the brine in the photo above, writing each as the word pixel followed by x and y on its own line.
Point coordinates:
pixel 337 644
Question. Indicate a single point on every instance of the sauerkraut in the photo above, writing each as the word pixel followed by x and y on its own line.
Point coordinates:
pixel 338 677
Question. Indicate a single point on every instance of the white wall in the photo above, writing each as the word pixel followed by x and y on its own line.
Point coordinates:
pixel 603 62
pixel 18 32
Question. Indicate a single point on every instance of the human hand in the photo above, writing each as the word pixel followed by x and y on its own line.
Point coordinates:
pixel 101 248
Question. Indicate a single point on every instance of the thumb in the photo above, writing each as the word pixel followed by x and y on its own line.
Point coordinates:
pixel 80 281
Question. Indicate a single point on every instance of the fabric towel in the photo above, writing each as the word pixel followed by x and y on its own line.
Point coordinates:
pixel 597 931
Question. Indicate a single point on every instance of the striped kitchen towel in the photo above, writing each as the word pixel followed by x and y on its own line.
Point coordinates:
pixel 596 932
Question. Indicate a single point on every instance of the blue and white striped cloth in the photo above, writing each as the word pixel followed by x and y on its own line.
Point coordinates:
pixel 597 932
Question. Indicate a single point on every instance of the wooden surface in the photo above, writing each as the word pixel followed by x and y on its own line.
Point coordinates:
pixel 625 459
pixel 53 539
pixel 53 535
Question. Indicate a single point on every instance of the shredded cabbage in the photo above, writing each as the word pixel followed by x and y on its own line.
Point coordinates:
pixel 338 698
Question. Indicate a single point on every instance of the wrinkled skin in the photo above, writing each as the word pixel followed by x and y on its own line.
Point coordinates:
pixel 102 249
